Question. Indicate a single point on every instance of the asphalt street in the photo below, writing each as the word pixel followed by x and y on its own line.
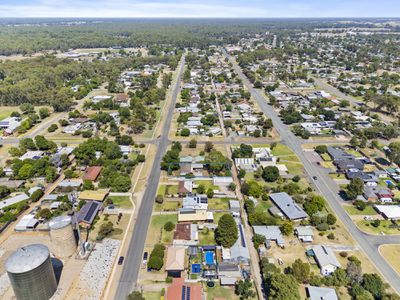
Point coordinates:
pixel 328 188
pixel 133 258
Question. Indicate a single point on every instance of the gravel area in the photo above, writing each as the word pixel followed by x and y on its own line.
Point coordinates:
pixel 99 265
pixel 4 284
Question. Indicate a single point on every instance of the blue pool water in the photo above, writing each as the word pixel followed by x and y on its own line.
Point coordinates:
pixel 196 268
pixel 209 258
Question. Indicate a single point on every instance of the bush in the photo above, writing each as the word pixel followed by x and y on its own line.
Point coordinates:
pixel 185 132
pixel 155 263
pixel 169 226
pixel 52 128
pixel 296 178
pixel 36 195
pixel 331 236
pixel 159 199
pixel 343 254
pixel 322 227
pixel 376 223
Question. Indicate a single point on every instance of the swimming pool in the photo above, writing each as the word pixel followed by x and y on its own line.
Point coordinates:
pixel 209 257
pixel 389 182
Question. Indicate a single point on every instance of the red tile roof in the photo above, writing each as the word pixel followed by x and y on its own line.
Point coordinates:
pixel 92 173
pixel 178 286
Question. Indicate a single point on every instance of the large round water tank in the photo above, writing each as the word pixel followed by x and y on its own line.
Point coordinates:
pixel 31 273
pixel 62 236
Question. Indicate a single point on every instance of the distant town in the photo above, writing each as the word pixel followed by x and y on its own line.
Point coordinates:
pixel 235 160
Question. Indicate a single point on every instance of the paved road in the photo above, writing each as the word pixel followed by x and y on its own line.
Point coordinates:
pixel 327 187
pixel 133 258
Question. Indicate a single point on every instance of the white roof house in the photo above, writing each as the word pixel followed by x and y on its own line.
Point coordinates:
pixel 326 259
pixel 318 293
pixel 32 155
pixel 195 202
pixel 222 180
pixel 304 233
pixel 13 200
pixel 27 222
pixel 389 211
pixel 246 164
pixel 271 233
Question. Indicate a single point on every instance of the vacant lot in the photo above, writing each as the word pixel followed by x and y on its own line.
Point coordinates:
pixel 391 253
pixel 121 201
pixel 5 111
pixel 156 225
pixel 352 210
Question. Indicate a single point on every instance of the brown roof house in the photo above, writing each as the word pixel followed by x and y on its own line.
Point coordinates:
pixel 92 173
pixel 175 261
pixel 180 290
pixel 186 234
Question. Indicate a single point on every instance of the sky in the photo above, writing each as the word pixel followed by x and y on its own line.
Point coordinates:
pixel 199 9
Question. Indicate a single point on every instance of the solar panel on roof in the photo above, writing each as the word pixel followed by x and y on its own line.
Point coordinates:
pixel 188 293
pixel 90 212
pixel 183 296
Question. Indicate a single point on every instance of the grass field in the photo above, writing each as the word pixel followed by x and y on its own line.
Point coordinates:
pixel 219 292
pixel 218 204
pixel 5 111
pixel 352 210
pixel 383 228
pixel 206 237
pixel 152 295
pixel 391 253
pixel 157 222
pixel 281 150
pixel 121 201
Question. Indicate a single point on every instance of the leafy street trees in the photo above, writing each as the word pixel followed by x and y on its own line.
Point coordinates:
pixel 226 233
pixel 270 173
pixel 355 188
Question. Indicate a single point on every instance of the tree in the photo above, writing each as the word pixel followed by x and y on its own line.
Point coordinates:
pixel 244 289
pixel 169 226
pixel 4 191
pixel 192 143
pixel 51 174
pixel 226 233
pixel 208 147
pixel 373 284
pixel 27 108
pixel 185 132
pixel 355 188
pixel 136 296
pixel 258 239
pixel 320 149
pixel 36 195
pixel 354 272
pixel 270 173
pixel 282 287
pixel 87 185
pixel 287 228
pixel 105 230
pixel 301 271
pixel 393 153
pixel 52 128
pixel 314 204
pixel 210 193
pixel 331 219
pixel 44 112
pixel 44 213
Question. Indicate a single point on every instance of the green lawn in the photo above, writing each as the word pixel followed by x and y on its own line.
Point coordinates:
pixel 383 228
pixel 337 176
pixel 206 237
pixel 325 157
pixel 157 222
pixel 368 211
pixel 354 152
pixel 121 201
pixel 167 189
pixel 206 183
pixel 161 190
pixel 219 292
pixel 152 295
pixel 5 111
pixel 282 150
pixel 295 168
pixel 218 204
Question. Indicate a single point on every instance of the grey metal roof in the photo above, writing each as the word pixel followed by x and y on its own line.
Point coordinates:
pixel 27 258
pixel 304 230
pixel 325 256
pixel 286 204
pixel 271 233
pixel 318 293
pixel 59 222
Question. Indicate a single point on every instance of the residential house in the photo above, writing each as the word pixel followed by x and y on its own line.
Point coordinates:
pixel 271 233
pixel 32 155
pixel 9 125
pixel 88 213
pixel 98 195
pixel 321 293
pixel 325 259
pixel 175 262
pixel 185 187
pixel 92 173
pixel 13 200
pixel 287 205
pixel 239 252
pixel 186 235
pixel 195 202
pixel 179 290
pixel 246 164
pixel 193 215
pixel 304 233
pixel 390 212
